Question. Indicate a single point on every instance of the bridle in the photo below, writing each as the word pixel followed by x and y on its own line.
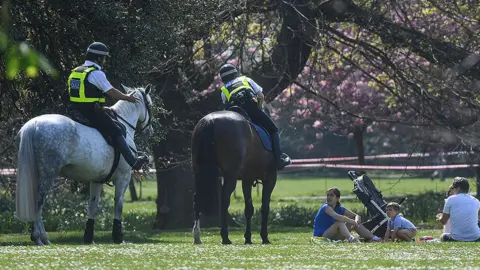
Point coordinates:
pixel 147 115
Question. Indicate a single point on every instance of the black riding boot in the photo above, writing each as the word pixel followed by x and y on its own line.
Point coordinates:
pixel 134 162
pixel 281 158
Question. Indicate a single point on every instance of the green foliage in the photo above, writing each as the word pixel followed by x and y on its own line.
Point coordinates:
pixel 424 206
pixel 20 57
pixel 63 211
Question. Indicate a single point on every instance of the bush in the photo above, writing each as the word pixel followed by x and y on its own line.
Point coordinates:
pixel 424 206
pixel 417 208
pixel 63 211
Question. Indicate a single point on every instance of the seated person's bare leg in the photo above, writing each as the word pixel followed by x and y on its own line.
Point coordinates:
pixel 338 231
pixel 363 232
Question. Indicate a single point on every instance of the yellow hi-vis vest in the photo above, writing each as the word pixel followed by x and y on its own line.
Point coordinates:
pixel 82 91
pixel 236 87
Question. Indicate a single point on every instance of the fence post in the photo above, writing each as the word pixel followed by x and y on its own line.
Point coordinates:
pixel 477 170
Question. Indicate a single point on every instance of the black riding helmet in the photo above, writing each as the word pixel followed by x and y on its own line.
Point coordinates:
pixel 98 48
pixel 228 72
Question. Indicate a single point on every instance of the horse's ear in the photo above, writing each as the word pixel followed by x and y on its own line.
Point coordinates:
pixel 148 89
pixel 124 89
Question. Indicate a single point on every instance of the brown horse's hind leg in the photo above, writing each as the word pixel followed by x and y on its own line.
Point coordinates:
pixel 247 195
pixel 229 184
pixel 268 186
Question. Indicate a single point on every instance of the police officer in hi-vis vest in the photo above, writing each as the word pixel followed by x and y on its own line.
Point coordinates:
pixel 87 88
pixel 244 92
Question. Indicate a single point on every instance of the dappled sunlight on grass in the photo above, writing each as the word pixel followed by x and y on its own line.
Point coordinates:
pixel 290 248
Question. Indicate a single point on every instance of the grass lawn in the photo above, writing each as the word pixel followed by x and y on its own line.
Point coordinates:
pixel 304 191
pixel 290 249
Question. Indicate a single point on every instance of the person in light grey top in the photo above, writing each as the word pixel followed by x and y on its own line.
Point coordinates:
pixel 462 211
pixel 398 227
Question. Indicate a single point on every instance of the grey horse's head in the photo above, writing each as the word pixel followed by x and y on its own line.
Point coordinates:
pixel 144 124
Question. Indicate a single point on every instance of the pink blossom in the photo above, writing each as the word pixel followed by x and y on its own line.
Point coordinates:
pixel 319 135
pixel 310 146
pixel 303 102
pixel 359 121
pixel 369 129
pixel 306 70
pixel 317 124
pixel 233 61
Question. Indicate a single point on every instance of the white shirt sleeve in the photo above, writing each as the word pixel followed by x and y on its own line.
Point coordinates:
pixel 98 78
pixel 256 88
pixel 224 99
pixel 448 206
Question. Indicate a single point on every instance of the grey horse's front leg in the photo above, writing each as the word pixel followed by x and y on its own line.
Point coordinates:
pixel 121 185
pixel 93 207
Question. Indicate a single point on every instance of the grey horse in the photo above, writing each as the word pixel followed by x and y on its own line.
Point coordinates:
pixel 53 145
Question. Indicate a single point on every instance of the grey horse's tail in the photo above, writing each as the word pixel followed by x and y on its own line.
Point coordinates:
pixel 27 175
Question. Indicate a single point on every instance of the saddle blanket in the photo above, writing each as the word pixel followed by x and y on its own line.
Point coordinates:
pixel 264 136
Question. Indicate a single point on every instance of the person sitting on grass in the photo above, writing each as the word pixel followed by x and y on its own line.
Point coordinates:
pixel 447 227
pixel 333 221
pixel 398 227
pixel 462 211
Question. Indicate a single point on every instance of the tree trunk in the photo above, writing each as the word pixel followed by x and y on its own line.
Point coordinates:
pixel 358 136
pixel 175 187
pixel 133 190
pixel 478 182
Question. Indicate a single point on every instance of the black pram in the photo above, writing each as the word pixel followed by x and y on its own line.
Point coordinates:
pixel 373 200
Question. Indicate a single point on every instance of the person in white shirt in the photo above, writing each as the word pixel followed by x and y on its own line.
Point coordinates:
pixel 88 87
pixel 462 211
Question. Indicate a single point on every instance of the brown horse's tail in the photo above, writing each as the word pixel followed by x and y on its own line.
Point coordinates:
pixel 205 168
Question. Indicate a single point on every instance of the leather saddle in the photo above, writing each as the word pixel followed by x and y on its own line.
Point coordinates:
pixel 240 111
pixel 78 117
pixel 261 131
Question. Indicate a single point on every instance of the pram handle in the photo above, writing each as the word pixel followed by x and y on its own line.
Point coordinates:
pixel 353 175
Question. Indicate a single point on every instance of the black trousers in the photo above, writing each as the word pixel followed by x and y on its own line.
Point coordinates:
pixel 99 119
pixel 258 116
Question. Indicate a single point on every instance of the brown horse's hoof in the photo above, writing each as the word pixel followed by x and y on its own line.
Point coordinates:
pixel 248 242
pixel 266 242
pixel 226 242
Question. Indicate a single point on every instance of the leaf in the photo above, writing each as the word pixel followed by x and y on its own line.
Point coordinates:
pixel 3 41
pixel 32 71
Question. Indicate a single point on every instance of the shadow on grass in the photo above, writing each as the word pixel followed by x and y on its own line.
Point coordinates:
pixel 76 238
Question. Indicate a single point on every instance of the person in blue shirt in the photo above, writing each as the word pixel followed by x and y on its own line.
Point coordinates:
pixel 398 227
pixel 333 221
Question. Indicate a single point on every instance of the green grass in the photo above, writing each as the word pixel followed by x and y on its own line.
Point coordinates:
pixel 290 249
pixel 302 191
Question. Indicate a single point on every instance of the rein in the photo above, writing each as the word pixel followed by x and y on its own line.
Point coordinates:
pixel 147 115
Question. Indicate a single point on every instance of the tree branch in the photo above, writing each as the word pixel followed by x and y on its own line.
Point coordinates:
pixel 433 50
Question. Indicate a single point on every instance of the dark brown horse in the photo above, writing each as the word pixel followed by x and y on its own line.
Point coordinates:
pixel 224 143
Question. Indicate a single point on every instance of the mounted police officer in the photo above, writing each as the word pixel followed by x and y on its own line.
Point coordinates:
pixel 244 92
pixel 88 87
